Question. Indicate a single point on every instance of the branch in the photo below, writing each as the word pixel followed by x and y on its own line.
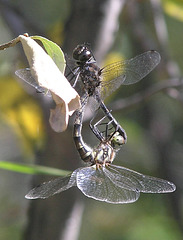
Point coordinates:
pixel 108 27
pixel 162 34
pixel 142 96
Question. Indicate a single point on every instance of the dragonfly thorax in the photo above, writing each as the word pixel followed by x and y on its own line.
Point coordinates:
pixel 103 154
pixel 89 72
pixel 90 77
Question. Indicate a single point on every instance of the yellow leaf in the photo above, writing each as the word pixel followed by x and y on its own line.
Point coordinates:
pixel 22 113
pixel 174 9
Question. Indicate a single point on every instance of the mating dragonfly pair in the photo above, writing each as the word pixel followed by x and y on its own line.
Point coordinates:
pixel 102 180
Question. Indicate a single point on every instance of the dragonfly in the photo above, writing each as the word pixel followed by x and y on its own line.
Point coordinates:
pixel 102 180
pixel 101 82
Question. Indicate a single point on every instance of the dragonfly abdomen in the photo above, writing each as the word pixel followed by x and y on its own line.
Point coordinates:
pixel 84 150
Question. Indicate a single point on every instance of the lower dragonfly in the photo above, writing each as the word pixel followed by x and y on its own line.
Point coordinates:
pixel 102 180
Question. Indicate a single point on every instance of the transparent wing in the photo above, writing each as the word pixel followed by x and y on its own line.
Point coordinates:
pixel 128 72
pixel 52 187
pixel 129 179
pixel 95 184
pixel 26 76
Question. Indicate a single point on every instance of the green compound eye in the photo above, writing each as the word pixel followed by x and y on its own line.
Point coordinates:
pixel 117 140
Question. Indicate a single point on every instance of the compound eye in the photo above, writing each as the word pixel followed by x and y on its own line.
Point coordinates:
pixel 117 140
pixel 81 53
pixel 85 56
pixel 77 52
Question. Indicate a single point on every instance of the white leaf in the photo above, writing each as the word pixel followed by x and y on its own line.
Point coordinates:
pixel 47 75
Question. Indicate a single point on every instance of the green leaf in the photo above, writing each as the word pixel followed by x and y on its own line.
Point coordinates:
pixel 32 169
pixel 54 51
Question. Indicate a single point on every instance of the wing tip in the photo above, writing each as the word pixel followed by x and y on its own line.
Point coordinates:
pixel 30 195
pixel 158 56
pixel 173 187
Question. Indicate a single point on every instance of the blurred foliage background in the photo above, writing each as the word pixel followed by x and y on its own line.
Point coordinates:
pixel 151 112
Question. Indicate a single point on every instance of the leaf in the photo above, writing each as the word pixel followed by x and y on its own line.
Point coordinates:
pixel 32 169
pixel 54 51
pixel 47 75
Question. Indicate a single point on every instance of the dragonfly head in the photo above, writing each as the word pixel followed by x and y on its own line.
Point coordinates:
pixel 117 140
pixel 82 54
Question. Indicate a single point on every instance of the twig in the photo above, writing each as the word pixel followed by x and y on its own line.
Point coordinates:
pixel 162 35
pixel 109 27
pixel 136 99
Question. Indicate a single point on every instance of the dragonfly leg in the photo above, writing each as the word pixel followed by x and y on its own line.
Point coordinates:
pixel 99 133
pixel 74 84
pixel 75 74
pixel 94 128
pixel 107 129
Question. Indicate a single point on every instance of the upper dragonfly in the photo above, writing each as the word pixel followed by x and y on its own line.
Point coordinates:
pixel 101 82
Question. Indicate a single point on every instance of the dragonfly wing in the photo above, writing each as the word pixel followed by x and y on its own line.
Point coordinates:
pixel 128 72
pixel 26 76
pixel 95 184
pixel 108 87
pixel 52 187
pixel 140 66
pixel 132 180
